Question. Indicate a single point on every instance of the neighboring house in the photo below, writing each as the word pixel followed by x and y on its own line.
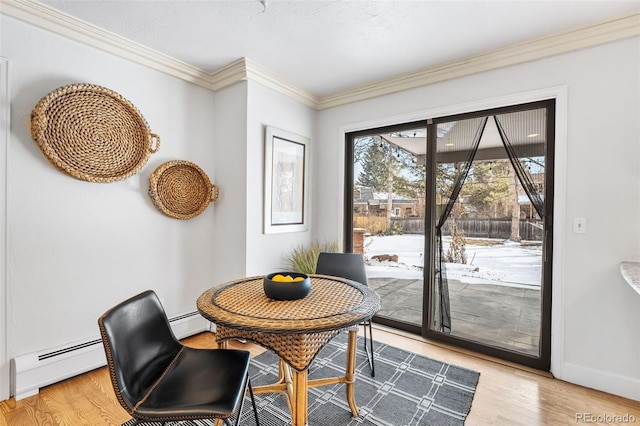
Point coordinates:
pixel 366 202
pixel 363 198
pixel 400 207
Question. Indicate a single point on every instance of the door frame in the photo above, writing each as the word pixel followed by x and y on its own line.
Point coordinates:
pixel 5 131
pixel 560 94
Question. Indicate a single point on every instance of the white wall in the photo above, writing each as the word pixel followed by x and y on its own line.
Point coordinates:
pixel 76 248
pixel 230 229
pixel 241 113
pixel 596 314
pixel 265 252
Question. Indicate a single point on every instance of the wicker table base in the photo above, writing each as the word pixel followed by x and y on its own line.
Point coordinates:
pixel 294 384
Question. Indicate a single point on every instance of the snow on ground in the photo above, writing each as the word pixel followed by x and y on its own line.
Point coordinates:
pixel 408 247
pixel 488 261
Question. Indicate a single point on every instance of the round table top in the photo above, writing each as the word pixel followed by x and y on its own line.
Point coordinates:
pixel 333 303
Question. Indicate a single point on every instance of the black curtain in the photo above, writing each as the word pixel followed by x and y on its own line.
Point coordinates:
pixel 523 134
pixel 460 136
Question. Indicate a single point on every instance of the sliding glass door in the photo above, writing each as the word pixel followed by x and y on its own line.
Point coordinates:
pixel 490 222
pixel 453 216
pixel 387 216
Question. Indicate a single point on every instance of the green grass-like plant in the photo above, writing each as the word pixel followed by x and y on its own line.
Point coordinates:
pixel 304 257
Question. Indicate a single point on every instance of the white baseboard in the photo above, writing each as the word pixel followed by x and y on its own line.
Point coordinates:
pixel 37 369
pixel 607 382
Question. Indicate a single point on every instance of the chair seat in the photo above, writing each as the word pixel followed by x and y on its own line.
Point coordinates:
pixel 200 383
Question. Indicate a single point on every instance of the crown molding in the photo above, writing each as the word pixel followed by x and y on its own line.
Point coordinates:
pixel 68 26
pixel 266 77
pixel 538 48
pixel 58 22
pixel 229 75
pixel 246 69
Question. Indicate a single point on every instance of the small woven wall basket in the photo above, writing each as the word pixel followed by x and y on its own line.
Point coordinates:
pixel 181 189
pixel 92 133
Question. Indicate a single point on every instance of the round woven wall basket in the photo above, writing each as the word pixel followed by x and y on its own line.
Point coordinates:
pixel 181 189
pixel 92 133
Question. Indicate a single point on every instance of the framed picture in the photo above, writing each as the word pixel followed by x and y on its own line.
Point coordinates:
pixel 285 181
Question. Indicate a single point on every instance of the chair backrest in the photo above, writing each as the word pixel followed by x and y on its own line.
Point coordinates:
pixel 139 345
pixel 346 265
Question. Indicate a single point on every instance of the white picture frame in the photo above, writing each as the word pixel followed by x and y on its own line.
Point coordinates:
pixel 286 195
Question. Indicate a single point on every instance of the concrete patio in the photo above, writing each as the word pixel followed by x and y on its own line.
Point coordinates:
pixel 495 315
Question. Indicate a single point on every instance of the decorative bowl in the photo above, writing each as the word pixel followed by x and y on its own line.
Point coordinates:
pixel 283 288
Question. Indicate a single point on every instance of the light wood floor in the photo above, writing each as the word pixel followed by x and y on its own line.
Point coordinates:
pixel 506 395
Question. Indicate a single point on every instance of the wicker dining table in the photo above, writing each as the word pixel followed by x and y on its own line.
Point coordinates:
pixel 295 330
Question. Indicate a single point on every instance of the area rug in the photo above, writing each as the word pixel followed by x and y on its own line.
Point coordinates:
pixel 408 390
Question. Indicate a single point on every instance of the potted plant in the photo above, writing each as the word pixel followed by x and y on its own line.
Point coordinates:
pixel 304 257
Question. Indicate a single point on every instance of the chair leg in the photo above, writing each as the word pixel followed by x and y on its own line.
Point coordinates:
pixel 253 402
pixel 369 352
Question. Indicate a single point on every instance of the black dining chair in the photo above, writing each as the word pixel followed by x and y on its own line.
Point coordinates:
pixel 157 378
pixel 350 266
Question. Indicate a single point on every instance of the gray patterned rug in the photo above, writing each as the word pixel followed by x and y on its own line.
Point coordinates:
pixel 408 390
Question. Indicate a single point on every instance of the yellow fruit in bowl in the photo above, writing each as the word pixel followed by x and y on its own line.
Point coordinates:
pixel 282 278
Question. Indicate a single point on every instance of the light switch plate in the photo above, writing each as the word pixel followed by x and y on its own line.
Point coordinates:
pixel 579 225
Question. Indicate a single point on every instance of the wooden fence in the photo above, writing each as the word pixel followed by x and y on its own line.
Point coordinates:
pixel 530 230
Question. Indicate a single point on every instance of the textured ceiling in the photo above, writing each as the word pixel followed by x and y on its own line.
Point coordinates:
pixel 327 46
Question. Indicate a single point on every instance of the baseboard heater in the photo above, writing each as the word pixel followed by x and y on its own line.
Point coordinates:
pixel 38 369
